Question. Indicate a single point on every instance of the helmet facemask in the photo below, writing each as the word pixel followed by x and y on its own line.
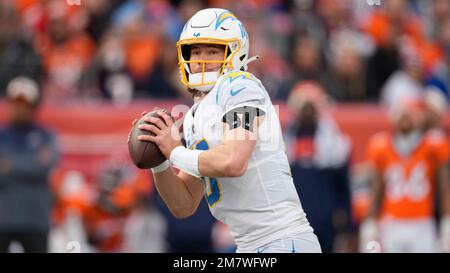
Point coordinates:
pixel 205 80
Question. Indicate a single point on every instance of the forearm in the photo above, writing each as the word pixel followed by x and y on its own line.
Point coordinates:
pixel 220 162
pixel 175 193
pixel 226 160
pixel 375 206
pixel 230 158
pixel 377 198
pixel 38 165
pixel 368 230
pixel 28 171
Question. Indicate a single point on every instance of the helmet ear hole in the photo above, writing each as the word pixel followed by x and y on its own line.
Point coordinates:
pixel 243 68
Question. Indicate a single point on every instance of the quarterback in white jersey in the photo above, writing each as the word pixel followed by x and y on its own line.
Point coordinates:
pixel 235 155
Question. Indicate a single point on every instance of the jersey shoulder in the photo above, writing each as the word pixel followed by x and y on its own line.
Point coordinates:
pixel 238 76
pixel 438 144
pixel 380 142
pixel 238 86
pixel 436 138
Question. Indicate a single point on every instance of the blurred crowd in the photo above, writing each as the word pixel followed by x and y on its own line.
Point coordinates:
pixel 313 54
pixel 124 49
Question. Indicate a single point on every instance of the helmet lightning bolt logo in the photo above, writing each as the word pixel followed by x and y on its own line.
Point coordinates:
pixel 223 17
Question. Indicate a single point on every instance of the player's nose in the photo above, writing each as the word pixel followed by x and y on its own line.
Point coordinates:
pixel 196 67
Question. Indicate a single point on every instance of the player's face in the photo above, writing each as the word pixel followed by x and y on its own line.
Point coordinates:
pixel 405 123
pixel 20 112
pixel 308 116
pixel 206 52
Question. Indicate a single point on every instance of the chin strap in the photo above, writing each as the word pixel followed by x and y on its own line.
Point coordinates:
pixel 254 58
pixel 249 60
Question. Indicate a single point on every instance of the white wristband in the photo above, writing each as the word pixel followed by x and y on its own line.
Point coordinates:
pixel 161 167
pixel 186 160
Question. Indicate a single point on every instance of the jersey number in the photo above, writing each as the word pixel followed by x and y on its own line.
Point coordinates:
pixel 212 192
pixel 415 187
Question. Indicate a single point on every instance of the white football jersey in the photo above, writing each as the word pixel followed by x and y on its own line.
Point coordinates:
pixel 262 205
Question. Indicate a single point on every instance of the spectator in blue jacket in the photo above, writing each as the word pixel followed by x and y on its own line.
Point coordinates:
pixel 28 153
pixel 319 156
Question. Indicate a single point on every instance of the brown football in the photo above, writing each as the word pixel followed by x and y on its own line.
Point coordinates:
pixel 145 155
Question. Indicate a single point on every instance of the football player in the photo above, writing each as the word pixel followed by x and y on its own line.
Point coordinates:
pixel 407 167
pixel 234 155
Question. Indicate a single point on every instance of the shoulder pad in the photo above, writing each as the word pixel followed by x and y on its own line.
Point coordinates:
pixel 237 75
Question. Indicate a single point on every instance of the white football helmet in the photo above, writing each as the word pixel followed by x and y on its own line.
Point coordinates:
pixel 212 26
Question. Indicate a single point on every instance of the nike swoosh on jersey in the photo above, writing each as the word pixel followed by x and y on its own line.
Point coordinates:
pixel 235 92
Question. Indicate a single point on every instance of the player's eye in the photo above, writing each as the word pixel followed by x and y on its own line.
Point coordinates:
pixel 213 52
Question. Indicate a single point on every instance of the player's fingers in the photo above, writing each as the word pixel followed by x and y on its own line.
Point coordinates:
pixel 167 119
pixel 149 138
pixel 150 128
pixel 155 121
pixel 144 113
pixel 134 122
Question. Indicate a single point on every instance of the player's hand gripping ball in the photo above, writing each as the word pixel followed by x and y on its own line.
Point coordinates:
pixel 145 154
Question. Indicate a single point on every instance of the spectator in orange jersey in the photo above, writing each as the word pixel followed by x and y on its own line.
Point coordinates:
pixel 23 5
pixel 95 216
pixel 72 197
pixel 66 51
pixel 407 166
pixel 393 20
